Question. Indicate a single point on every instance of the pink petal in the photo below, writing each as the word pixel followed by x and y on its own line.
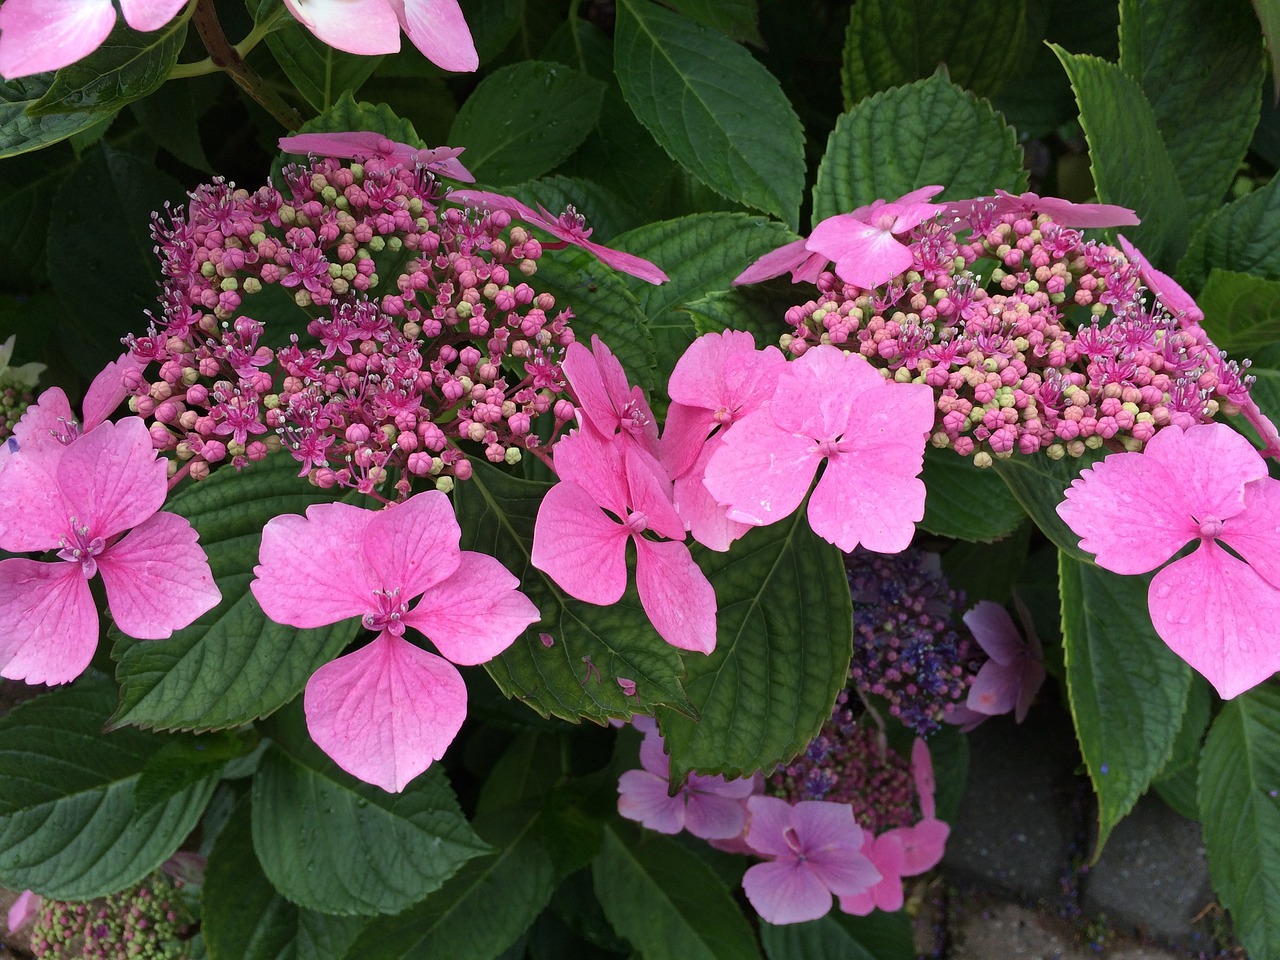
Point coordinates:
pixel 993 628
pixel 713 816
pixel 157 578
pixel 1066 213
pixel 1033 677
pixel 761 473
pixel 353 145
pixel 775 263
pixel 410 546
pixel 683 434
pixel 111 477
pixel 886 855
pixel 476 613
pixel 724 370
pixel 676 595
pixel 596 464
pixel 28 479
pixel 1163 287
pixel 40 35
pixel 832 843
pixel 148 15
pixel 50 621
pixel 995 689
pixel 628 263
pixel 1253 532
pixel 653 756
pixel 481 199
pixel 107 391
pixel 605 397
pixel 708 521
pixel 784 891
pixel 24 910
pixel 650 494
pixel 366 27
pixel 438 29
pixel 770 819
pixel 1211 464
pixel 865 256
pixel 386 711
pixel 48 419
pixel 1219 616
pixel 643 797
pixel 814 394
pixel 922 773
pixel 922 845
pixel 579 546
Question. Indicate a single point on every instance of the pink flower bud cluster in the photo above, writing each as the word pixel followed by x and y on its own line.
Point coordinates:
pixel 417 339
pixel 1032 337
pixel 147 921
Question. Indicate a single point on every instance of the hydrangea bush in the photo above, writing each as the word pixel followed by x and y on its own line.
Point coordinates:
pixel 490 481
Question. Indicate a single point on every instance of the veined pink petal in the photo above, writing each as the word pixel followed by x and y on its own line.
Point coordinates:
pixel 653 755
pixel 1211 464
pixel 47 423
pixel 1163 287
pixel 107 391
pixel 481 199
pixel 628 263
pixel 1253 532
pixel 349 145
pixel 711 814
pixel 579 546
pixel 676 595
pixel 886 855
pixel 790 256
pixel 783 891
pixel 148 15
pixel 605 397
pixel 865 255
pixel 413 545
pixel 50 621
pixel 814 394
pixel 995 689
pixel 438 29
pixel 28 478
pixel 23 910
pixel 683 435
pixel 596 464
pixel 157 578
pixel 761 473
pixel 111 477
pixel 1218 615
pixel 387 711
pixel 643 797
pixel 649 490
pixel 366 27
pixel 993 628
pixel 476 613
pixel 1066 213
pixel 923 845
pixel 725 370
pixel 707 520
pixel 40 35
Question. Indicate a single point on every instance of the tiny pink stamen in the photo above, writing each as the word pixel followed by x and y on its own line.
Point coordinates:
pixel 79 548
pixel 389 615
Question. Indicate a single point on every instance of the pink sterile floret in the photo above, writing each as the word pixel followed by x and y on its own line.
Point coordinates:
pixel 1063 212
pixel 605 399
pixel 369 27
pixel 364 145
pixel 1009 680
pixel 814 850
pixel 79 499
pixel 49 422
pixel 386 711
pixel 831 406
pixel 1204 484
pixel 40 35
pixel 864 244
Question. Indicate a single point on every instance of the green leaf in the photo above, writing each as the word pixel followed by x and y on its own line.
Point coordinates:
pixel 590 645
pixel 738 19
pixel 1269 17
pixel 905 138
pixel 606 214
pixel 334 844
pixel 170 117
pixel 347 114
pixel 759 308
pixel 318 71
pixel 232 665
pixel 1038 483
pixel 528 770
pixel 68 825
pixel 712 107
pixel 839 936
pixel 1242 312
pixel 1240 810
pixel 126 67
pixel 459 919
pixel 1176 781
pixel 1243 236
pixel 28 183
pixel 893 42
pixel 965 502
pixel 22 133
pixel 1128 690
pixel 185 760
pixel 668 902
pixel 1131 165
pixel 525 119
pixel 1201 66
pixel 783 641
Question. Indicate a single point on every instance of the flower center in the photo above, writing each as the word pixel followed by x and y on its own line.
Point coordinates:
pixel 389 613
pixel 79 548
pixel 793 841
pixel 637 523
pixel 1210 528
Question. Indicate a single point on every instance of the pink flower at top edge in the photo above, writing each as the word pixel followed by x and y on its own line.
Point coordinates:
pixel 40 35
pixel 605 399
pixel 1205 485
pixel 364 145
pixel 831 406
pixel 711 808
pixel 369 27
pixel 812 849
pixel 569 227
pixel 1062 212
pixel 386 711
pixel 80 499
pixel 1013 675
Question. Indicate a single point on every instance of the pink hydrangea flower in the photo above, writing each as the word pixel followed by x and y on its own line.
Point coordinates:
pixel 606 400
pixel 369 27
pixel 831 406
pixel 1208 486
pixel 1063 212
pixel 1009 680
pixel 711 808
pixel 1163 287
pixel 40 35
pixel 387 711
pixel 814 850
pixel 79 499
pixel 570 228
pixel 364 145
pixel 50 422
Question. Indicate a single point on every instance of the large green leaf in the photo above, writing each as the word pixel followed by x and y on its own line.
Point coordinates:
pixel 839 936
pixel 20 132
pixel 715 109
pixel 590 646
pixel 127 66
pixel 739 19
pixel 1038 483
pixel 1128 690
pixel 232 665
pixel 1242 312
pixel 334 844
pixel 1240 810
pixel 1131 165
pixel 892 42
pixel 68 824
pixel 1243 236
pixel 668 902
pixel 459 919
pixel 525 119
pixel 318 71
pixel 1176 781
pixel 905 138
pixel 1201 65
pixel 965 502
pixel 783 642
pixel 26 183
pixel 759 308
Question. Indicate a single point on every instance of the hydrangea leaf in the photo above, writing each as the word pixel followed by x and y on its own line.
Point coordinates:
pixel 331 843
pixel 459 919
pixel 1203 78
pixel 1176 781
pixel 232 665
pixel 1128 690
pixel 1243 236
pixel 318 71
pixel 606 214
pixel 839 936
pixel 19 131
pixel 903 138
pixel 715 109
pixel 893 42
pixel 1037 483
pixel 966 502
pixel 1240 810
pixel 525 119
pixel 784 639
pixel 757 308
pixel 667 901
pixel 1242 312
pixel 1130 162
pixel 575 676
pixel 69 827
pixel 244 918
pixel 738 19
